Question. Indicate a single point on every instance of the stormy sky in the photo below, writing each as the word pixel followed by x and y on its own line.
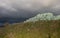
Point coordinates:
pixel 28 8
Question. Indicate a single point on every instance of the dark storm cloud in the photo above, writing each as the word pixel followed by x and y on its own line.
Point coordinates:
pixel 28 8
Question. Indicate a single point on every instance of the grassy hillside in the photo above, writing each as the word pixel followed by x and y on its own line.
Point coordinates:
pixel 38 29
pixel 2 32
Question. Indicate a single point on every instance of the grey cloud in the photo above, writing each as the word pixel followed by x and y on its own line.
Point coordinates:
pixel 28 8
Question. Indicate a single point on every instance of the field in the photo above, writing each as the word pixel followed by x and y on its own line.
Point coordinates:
pixel 38 29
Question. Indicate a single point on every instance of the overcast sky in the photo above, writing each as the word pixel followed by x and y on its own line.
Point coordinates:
pixel 28 8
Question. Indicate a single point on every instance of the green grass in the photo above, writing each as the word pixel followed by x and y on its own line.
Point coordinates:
pixel 38 29
pixel 2 32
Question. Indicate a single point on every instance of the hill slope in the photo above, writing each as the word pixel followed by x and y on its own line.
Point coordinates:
pixel 38 29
